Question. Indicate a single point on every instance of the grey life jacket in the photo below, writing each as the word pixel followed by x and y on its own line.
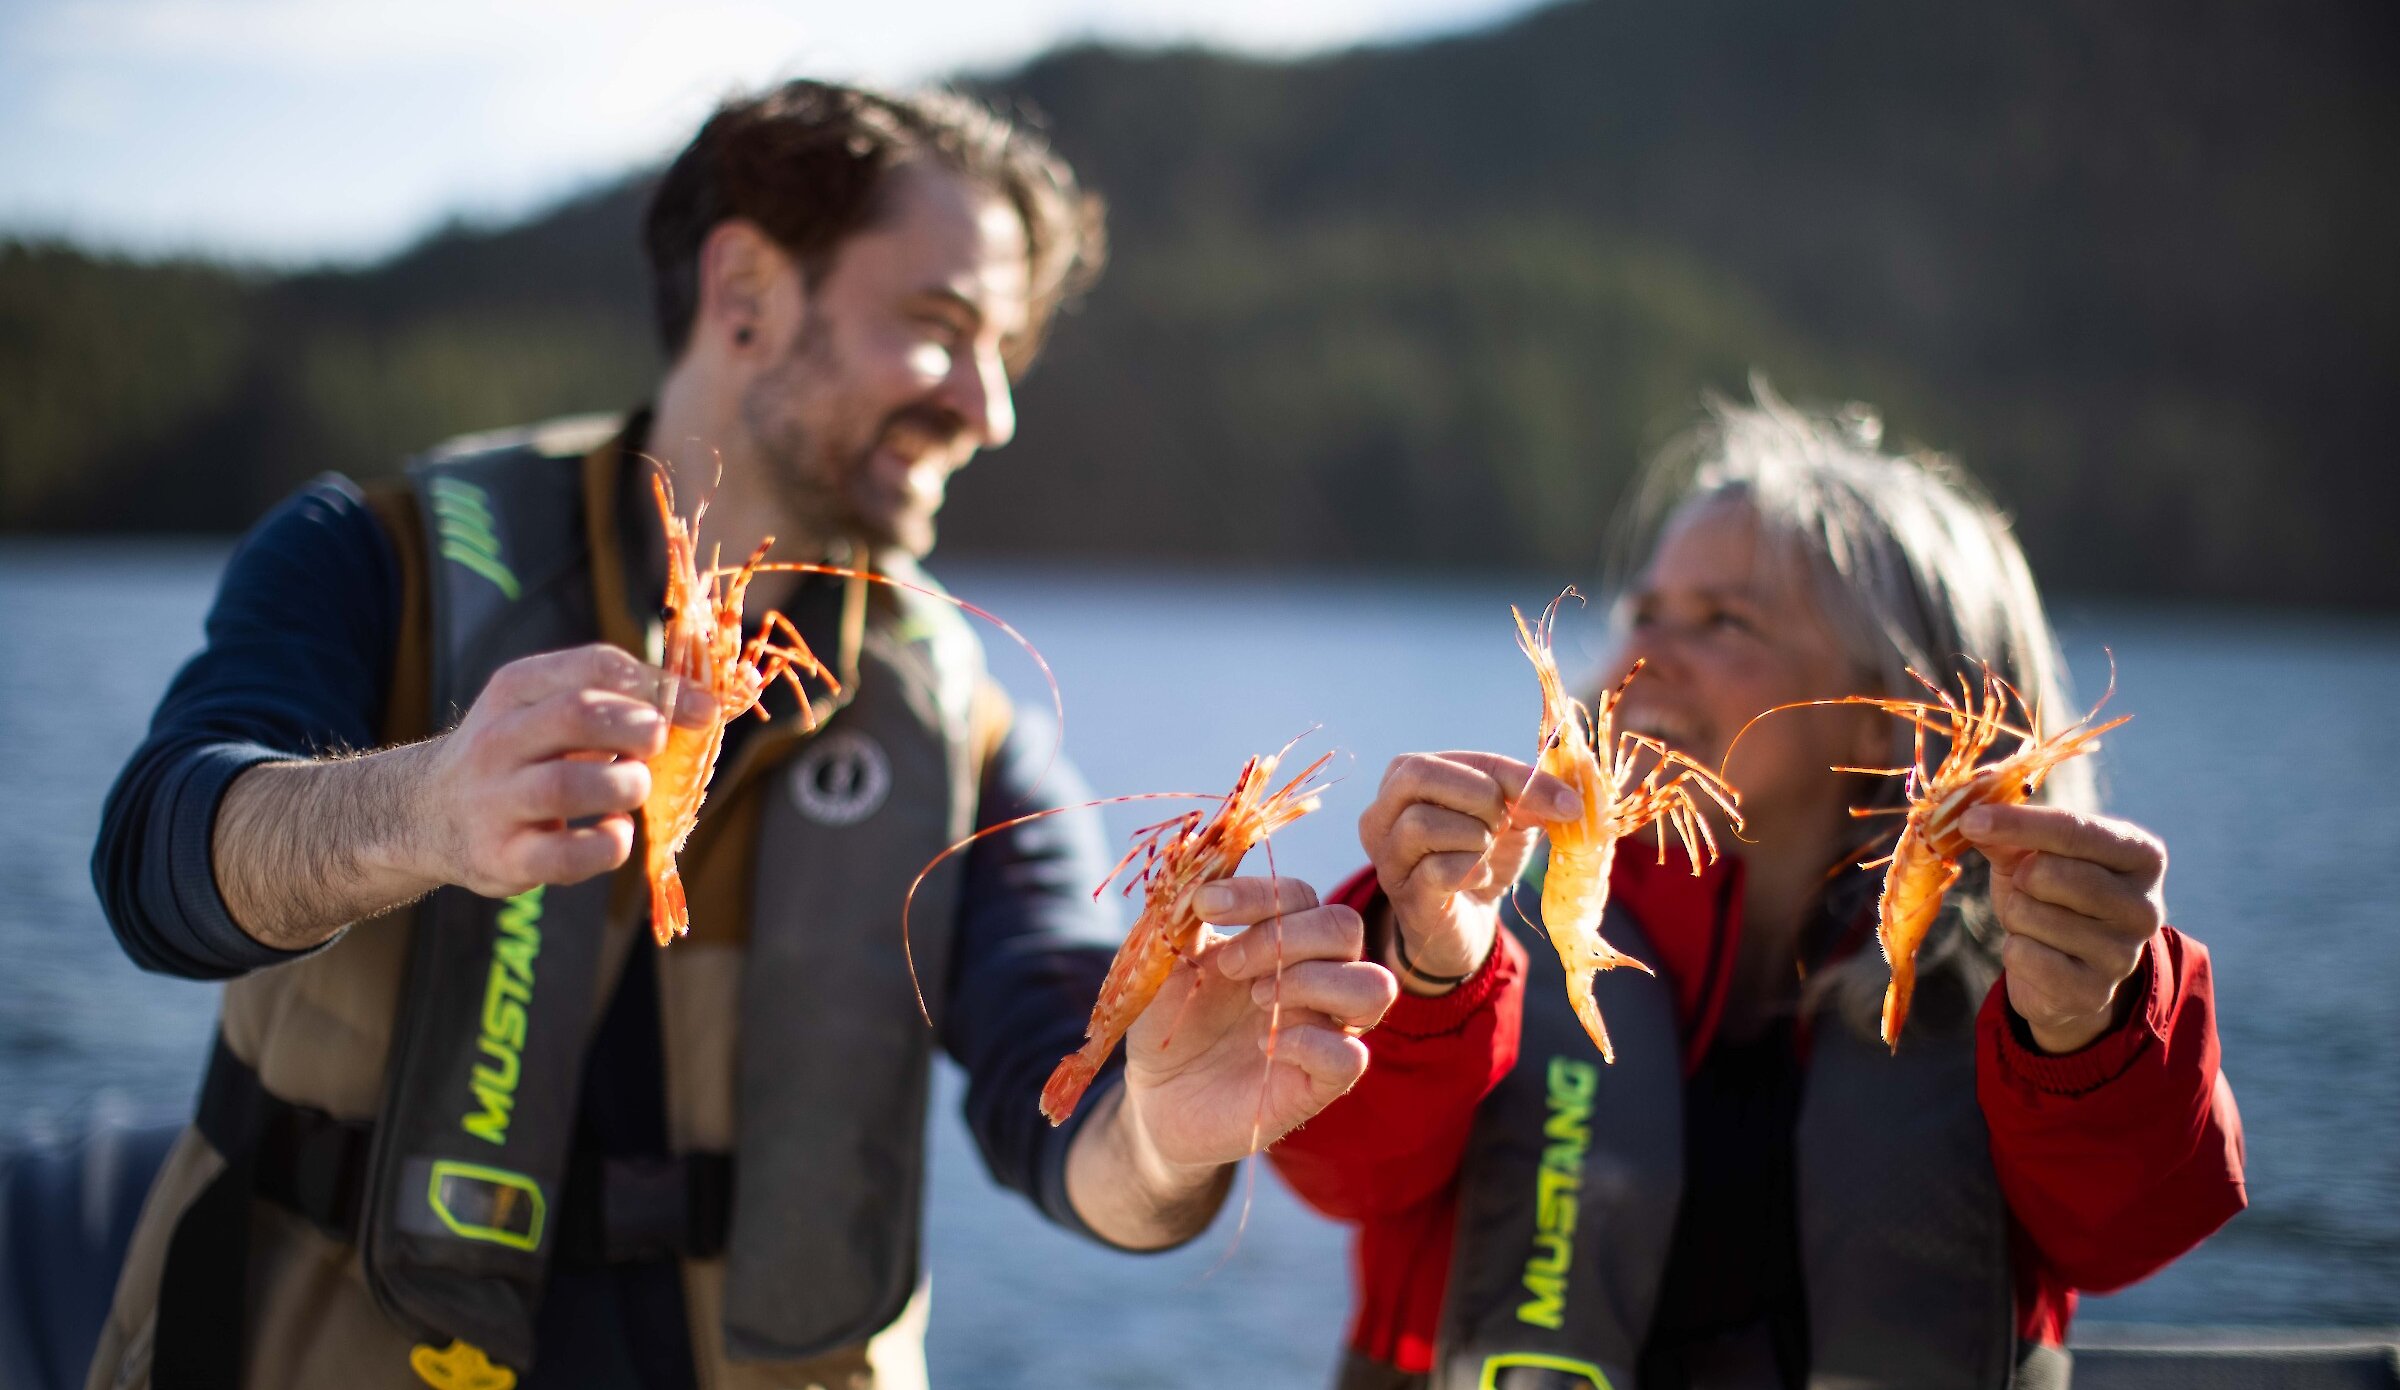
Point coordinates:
pixel 458 1215
pixel 1574 1173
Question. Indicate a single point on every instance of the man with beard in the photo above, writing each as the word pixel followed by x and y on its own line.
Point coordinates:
pixel 463 1123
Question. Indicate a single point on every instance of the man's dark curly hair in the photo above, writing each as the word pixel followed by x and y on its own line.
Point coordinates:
pixel 807 162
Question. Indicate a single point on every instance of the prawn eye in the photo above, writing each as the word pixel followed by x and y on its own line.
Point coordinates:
pixel 669 612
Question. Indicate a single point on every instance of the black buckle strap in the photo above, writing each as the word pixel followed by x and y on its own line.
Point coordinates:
pixel 198 1343
pixel 615 1210
pixel 296 1155
pixel 302 1158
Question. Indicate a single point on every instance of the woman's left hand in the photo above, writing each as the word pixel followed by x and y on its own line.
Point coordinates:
pixel 2079 897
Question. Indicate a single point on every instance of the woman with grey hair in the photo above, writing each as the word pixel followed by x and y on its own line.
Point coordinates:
pixel 1758 1192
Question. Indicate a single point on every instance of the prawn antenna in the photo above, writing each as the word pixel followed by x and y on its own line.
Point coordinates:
pixel 1058 703
pixel 1844 864
pixel 1518 908
pixel 1266 1081
pixel 908 952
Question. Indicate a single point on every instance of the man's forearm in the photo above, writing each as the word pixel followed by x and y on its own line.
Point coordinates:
pixel 303 849
pixel 1128 1194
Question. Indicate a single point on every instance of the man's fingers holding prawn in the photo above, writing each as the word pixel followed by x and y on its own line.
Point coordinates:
pixel 565 790
pixel 1242 902
pixel 569 854
pixel 1330 933
pixel 1353 994
pixel 593 666
pixel 581 721
pixel 600 667
pixel 1331 1058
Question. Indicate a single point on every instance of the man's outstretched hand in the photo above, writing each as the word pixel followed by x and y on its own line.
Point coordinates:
pixel 1200 1091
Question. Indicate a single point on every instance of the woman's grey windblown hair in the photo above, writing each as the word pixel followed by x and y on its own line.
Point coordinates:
pixel 1913 568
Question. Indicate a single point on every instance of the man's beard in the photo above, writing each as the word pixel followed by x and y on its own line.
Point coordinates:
pixel 805 473
pixel 822 486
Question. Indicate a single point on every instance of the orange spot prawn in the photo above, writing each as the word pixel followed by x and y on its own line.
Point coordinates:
pixel 1175 857
pixel 702 645
pixel 1584 750
pixel 1924 864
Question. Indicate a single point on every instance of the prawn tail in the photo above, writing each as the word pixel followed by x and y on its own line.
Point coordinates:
pixel 1895 1000
pixel 669 916
pixel 1064 1091
pixel 1587 1010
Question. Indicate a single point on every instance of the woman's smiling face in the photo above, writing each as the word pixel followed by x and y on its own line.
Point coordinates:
pixel 1728 627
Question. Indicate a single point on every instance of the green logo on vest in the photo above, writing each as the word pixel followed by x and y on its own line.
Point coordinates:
pixel 507 992
pixel 1536 1361
pixel 462 516
pixel 487 1204
pixel 1569 1134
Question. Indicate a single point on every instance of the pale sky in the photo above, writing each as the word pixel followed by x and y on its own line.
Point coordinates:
pixel 288 131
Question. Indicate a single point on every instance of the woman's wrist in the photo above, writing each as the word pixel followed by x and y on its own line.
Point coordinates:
pixel 2065 1037
pixel 1425 969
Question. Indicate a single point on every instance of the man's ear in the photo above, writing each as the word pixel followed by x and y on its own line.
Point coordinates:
pixel 751 294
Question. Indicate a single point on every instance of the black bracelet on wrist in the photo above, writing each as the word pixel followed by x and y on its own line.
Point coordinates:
pixel 1400 950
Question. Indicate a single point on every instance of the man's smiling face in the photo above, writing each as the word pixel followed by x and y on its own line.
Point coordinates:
pixel 899 372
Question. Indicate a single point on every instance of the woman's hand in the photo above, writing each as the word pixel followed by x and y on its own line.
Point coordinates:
pixel 2079 897
pixel 1448 833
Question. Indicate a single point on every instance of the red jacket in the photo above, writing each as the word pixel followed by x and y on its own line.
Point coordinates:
pixel 2114 1160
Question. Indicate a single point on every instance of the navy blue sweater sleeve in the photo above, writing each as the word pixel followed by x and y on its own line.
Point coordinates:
pixel 296 664
pixel 1031 950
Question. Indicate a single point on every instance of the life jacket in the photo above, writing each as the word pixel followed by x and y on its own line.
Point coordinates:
pixel 1573 1177
pixel 410 1091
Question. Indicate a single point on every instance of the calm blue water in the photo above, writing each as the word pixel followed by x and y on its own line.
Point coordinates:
pixel 2263 752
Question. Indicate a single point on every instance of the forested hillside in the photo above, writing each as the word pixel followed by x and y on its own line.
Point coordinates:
pixel 1428 305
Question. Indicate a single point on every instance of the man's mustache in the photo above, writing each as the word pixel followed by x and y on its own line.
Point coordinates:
pixel 927 421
